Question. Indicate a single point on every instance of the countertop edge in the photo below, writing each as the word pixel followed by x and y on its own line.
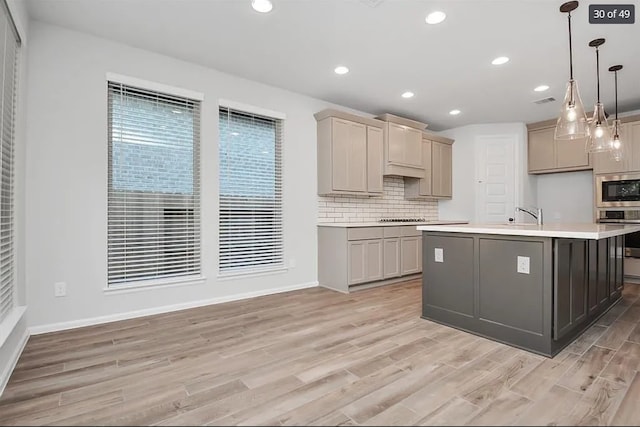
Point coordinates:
pixel 390 224
pixel 533 232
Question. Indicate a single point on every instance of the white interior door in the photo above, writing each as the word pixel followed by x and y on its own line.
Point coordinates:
pixel 495 178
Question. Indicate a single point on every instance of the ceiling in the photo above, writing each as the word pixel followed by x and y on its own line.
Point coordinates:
pixel 387 46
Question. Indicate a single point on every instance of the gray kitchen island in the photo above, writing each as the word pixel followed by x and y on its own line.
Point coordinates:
pixel 536 287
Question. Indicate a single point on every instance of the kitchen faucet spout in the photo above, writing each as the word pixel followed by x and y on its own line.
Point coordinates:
pixel 537 214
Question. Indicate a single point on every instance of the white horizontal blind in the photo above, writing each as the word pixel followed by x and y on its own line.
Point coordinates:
pixel 154 186
pixel 8 55
pixel 250 192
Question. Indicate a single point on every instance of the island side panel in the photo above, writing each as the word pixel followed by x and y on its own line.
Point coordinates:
pixel 506 297
pixel 448 284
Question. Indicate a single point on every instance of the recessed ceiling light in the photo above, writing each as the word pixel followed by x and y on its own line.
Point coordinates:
pixel 435 17
pixel 454 112
pixel 541 88
pixel 500 60
pixel 341 69
pixel 262 6
pixel 407 95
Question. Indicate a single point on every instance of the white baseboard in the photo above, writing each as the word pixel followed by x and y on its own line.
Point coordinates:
pixel 53 327
pixel 6 373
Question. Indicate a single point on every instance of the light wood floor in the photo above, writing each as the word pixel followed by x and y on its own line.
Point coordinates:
pixel 318 357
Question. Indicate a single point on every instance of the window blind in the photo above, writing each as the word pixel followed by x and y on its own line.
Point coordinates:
pixel 250 148
pixel 9 43
pixel 153 186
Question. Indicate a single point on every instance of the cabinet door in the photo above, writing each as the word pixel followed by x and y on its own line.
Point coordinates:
pixel 374 260
pixel 413 147
pixel 395 143
pixel 425 183
pixel 541 146
pixel 365 261
pixel 603 163
pixel 571 285
pixel 441 169
pixel 391 258
pixel 632 134
pixel 619 263
pixel 615 267
pixel 411 255
pixel 357 261
pixel 374 160
pixel 349 156
pixel 602 291
pixel 571 154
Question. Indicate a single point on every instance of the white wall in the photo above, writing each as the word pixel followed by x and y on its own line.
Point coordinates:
pixel 463 203
pixel 566 197
pixel 67 176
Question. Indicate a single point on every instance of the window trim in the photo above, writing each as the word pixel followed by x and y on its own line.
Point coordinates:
pixel 156 283
pixel 251 109
pixel 153 86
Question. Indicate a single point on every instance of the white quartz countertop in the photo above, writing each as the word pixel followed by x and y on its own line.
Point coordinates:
pixel 563 230
pixel 390 224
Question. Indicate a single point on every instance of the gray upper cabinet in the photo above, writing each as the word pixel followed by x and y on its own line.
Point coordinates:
pixel 630 137
pixel 374 160
pixel 350 154
pixel 437 180
pixel 441 169
pixel 548 155
pixel 402 146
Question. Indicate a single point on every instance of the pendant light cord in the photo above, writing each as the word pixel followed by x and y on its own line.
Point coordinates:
pixel 570 49
pixel 615 75
pixel 598 70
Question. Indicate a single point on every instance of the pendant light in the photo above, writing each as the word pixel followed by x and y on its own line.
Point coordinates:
pixel 572 123
pixel 599 133
pixel 617 146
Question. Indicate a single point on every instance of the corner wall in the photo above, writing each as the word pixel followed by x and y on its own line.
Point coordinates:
pixel 66 180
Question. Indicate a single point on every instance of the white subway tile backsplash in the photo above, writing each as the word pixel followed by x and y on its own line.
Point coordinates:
pixel 391 205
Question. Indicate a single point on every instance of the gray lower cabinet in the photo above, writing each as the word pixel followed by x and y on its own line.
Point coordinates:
pixel 365 261
pixel 411 255
pixel 349 257
pixel 391 257
pixel 476 282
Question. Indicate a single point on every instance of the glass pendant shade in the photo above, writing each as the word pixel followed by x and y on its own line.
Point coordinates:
pixel 617 140
pixel 599 132
pixel 617 145
pixel 572 122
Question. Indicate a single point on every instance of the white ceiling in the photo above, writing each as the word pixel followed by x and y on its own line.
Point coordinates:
pixel 388 48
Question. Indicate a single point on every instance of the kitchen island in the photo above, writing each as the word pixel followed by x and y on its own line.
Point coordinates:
pixel 536 287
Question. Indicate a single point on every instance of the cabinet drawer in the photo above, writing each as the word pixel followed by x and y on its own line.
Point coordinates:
pixel 361 233
pixel 409 230
pixel 391 231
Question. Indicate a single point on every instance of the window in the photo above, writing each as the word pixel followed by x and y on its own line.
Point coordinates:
pixel 153 186
pixel 250 192
pixel 9 43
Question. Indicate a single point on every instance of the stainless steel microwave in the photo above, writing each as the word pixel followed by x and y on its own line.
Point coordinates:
pixel 618 190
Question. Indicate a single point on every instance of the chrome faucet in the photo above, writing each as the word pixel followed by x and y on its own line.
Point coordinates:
pixel 537 214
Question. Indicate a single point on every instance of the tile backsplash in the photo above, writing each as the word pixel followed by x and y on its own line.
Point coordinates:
pixel 366 209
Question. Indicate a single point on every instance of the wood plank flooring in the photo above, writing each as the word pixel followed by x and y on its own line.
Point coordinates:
pixel 318 357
